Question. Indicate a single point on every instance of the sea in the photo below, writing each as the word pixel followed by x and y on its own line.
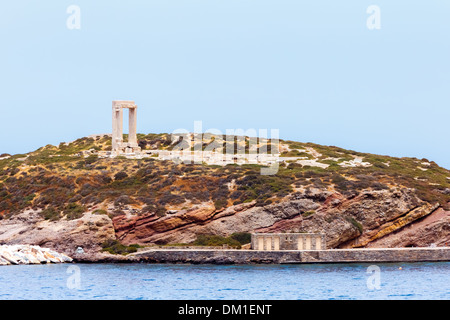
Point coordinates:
pixel 141 281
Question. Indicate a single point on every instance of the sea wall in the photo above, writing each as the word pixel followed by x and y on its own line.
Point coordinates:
pixel 285 256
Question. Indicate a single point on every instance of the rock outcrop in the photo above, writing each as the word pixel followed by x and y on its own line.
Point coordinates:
pixel 347 221
pixel 29 228
pixel 26 254
pixel 432 230
pixel 373 218
pixel 395 225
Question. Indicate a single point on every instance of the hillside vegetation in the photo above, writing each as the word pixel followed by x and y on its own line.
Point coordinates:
pixel 64 183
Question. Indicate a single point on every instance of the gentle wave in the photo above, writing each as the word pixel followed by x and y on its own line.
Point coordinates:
pixel 200 282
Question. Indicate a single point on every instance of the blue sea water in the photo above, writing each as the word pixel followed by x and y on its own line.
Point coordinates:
pixel 200 282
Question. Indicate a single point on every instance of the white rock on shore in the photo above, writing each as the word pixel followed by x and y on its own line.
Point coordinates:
pixel 28 254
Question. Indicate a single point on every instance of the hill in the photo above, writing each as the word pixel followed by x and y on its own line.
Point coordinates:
pixel 72 195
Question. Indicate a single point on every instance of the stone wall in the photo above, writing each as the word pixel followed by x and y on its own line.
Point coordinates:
pixel 291 256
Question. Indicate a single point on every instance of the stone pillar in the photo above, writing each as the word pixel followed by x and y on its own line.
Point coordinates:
pixel 300 242
pixel 117 126
pixel 260 245
pixel 276 243
pixel 308 242
pixel 318 242
pixel 132 137
pixel 268 243
pixel 255 242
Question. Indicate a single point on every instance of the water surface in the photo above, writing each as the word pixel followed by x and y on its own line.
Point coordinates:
pixel 176 281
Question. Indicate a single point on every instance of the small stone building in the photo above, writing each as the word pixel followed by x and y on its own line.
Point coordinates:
pixel 288 241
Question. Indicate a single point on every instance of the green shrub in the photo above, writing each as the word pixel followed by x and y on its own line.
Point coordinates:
pixel 308 213
pixel 100 211
pixel 74 211
pixel 120 175
pixel 215 241
pixel 91 159
pixel 296 153
pixel 220 203
pixel 30 197
pixel 242 237
pixel 51 214
pixel 115 247
pixel 355 223
pixel 160 211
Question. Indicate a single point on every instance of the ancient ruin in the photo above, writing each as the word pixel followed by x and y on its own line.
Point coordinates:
pixel 288 241
pixel 118 145
pixel 131 148
pixel 190 153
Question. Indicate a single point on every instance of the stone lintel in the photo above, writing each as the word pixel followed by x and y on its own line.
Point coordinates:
pixel 129 104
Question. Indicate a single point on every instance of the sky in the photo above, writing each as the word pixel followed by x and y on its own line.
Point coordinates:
pixel 314 70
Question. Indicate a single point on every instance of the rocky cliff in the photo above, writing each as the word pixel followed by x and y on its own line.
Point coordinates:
pixel 67 196
pixel 360 221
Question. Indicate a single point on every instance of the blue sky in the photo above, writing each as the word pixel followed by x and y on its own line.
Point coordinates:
pixel 311 69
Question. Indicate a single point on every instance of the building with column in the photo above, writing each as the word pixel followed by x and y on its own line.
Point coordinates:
pixel 118 145
pixel 288 241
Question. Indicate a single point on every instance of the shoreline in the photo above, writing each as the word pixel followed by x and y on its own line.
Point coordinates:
pixel 235 256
